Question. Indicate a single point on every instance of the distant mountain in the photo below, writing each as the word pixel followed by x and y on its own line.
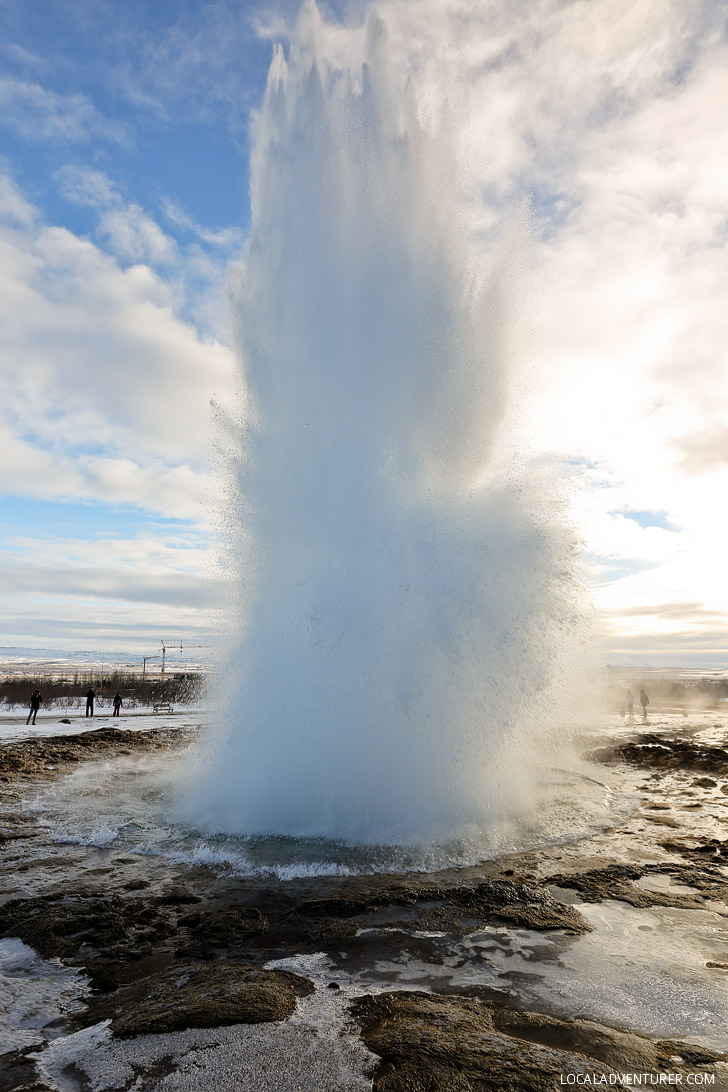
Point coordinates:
pixel 80 656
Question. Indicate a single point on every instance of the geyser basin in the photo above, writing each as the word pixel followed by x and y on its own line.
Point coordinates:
pixel 407 632
pixel 121 807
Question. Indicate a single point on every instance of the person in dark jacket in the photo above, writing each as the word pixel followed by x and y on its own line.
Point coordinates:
pixel 90 695
pixel 644 702
pixel 116 704
pixel 35 700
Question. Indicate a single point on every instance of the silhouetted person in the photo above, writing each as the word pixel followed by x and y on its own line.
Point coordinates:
pixel 35 700
pixel 117 704
pixel 90 695
pixel 644 702
pixel 629 698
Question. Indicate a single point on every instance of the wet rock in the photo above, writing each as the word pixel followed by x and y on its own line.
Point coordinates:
pixel 107 974
pixel 35 758
pixel 708 850
pixel 435 1043
pixel 221 929
pixel 528 905
pixel 16 833
pixel 709 880
pixel 174 947
pixel 59 926
pixel 103 973
pixel 693 1055
pixel 178 896
pixel 18 1072
pixel 333 934
pixel 612 1047
pixel 616 881
pixel 201 995
pixel 446 1043
pixel 233 925
pixel 620 1049
pixel 524 903
pixel 668 754
pixel 625 1051
pixel 704 783
pixel 662 820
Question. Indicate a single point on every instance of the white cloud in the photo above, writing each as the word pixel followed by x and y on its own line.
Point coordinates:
pixel 193 264
pixel 195 65
pixel 14 209
pixel 170 63
pixel 138 570
pixel 533 76
pixel 228 238
pixel 84 185
pixel 23 57
pixel 611 115
pixel 631 338
pixel 135 237
pixel 124 228
pixel 105 390
pixel 37 113
pixel 112 593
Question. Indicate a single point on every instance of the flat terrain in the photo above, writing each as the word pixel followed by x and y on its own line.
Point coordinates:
pixel 575 963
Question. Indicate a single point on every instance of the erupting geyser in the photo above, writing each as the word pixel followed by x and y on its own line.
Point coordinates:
pixel 407 622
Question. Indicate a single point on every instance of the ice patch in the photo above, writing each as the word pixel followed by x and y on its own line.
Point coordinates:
pixel 63 1054
pixel 316 1048
pixel 35 995
pixel 644 970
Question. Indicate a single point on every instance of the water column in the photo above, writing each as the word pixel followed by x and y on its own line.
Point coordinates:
pixel 407 621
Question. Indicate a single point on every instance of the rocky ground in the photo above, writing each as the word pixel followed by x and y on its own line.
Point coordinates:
pixel 458 981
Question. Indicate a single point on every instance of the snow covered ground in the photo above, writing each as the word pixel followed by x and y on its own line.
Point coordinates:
pixel 59 721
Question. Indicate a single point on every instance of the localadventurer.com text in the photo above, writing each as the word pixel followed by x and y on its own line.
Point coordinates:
pixel 635 1080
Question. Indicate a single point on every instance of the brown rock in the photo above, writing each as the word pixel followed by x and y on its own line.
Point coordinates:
pixel 431 1043
pixel 445 1043
pixel 670 754
pixel 47 756
pixel 201 995
pixel 616 881
pixel 521 902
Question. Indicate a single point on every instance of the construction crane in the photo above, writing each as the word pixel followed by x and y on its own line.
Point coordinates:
pixel 180 646
pixel 165 647
pixel 164 651
pixel 194 646
pixel 145 658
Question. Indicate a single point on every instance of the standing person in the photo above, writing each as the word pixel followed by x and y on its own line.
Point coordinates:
pixel 90 695
pixel 644 702
pixel 117 704
pixel 35 700
pixel 629 698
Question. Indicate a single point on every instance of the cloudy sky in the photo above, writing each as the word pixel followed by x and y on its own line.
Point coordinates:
pixel 124 199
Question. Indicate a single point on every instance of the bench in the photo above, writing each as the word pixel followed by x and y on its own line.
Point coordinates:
pixel 162 707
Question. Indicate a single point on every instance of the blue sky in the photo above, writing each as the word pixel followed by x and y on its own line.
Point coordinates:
pixel 125 136
pixel 157 96
pixel 127 126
